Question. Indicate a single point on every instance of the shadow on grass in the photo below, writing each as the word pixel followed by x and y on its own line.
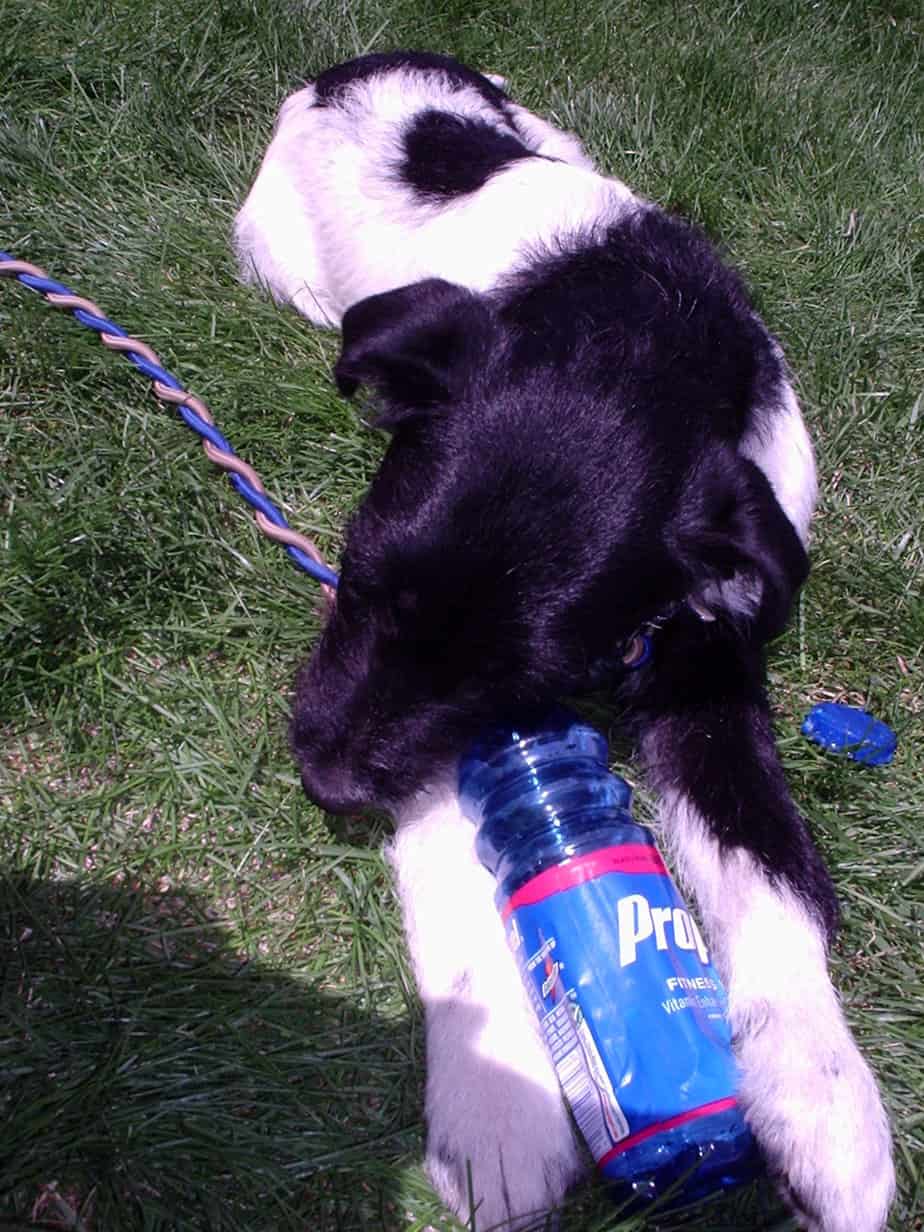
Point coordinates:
pixel 153 1079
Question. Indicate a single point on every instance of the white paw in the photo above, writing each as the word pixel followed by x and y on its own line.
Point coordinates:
pixel 812 1103
pixel 500 1149
pixel 808 1095
pixel 499 1141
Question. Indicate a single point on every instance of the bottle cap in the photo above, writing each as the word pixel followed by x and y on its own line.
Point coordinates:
pixel 851 731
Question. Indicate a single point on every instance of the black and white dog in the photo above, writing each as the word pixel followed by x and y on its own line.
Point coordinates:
pixel 591 428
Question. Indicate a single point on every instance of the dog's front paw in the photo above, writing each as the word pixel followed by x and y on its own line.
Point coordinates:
pixel 500 1149
pixel 500 1145
pixel 813 1105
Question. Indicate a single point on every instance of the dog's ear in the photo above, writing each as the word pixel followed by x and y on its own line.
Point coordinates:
pixel 740 549
pixel 414 345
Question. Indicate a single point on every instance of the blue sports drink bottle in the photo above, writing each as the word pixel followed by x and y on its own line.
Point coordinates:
pixel 631 1008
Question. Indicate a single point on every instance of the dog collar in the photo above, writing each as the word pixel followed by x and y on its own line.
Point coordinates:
pixel 638 650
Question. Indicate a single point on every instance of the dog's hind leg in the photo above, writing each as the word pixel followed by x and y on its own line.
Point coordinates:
pixel 499 1137
pixel 768 909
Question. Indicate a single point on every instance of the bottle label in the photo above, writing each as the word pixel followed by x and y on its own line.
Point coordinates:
pixel 631 1007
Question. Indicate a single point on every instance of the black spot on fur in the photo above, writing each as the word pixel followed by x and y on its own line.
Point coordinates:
pixel 333 81
pixel 448 155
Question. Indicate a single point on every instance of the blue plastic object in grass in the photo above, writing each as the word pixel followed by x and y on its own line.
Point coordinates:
pixel 851 731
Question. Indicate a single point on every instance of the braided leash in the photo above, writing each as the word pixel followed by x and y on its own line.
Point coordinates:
pixel 193 411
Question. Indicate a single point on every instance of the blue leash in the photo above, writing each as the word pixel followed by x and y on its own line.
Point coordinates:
pixel 192 410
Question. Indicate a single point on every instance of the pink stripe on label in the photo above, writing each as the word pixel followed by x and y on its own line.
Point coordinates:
pixel 627 858
pixel 717 1105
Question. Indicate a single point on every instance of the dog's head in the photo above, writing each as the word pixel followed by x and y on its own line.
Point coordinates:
pixel 516 533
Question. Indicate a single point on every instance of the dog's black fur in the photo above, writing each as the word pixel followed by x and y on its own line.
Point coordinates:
pixel 563 466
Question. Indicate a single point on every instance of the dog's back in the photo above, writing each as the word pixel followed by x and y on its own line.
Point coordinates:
pixel 394 168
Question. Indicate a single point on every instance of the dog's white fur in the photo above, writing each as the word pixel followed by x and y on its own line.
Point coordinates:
pixel 496 1118
pixel 323 228
pixel 809 1096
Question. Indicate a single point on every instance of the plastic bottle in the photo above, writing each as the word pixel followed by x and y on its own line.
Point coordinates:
pixel 631 1008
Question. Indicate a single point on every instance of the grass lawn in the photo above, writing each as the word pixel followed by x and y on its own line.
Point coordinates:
pixel 207 1019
